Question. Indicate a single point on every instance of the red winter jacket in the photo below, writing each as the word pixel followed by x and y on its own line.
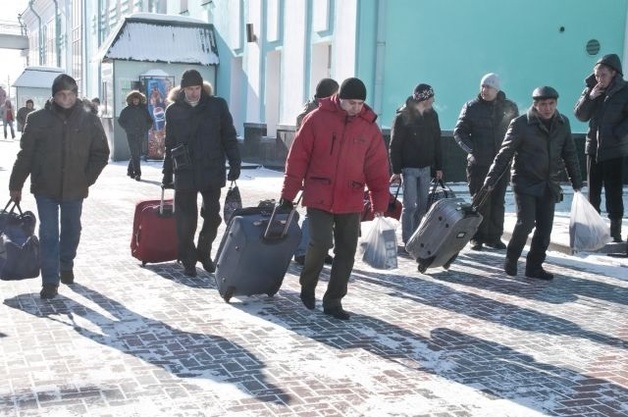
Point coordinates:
pixel 333 157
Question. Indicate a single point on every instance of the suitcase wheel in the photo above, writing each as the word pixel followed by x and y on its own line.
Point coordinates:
pixel 274 291
pixel 228 294
pixel 450 261
pixel 422 268
pixel 143 264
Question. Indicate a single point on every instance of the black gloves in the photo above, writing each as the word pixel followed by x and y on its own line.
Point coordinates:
pixel 167 181
pixel 286 204
pixel 234 173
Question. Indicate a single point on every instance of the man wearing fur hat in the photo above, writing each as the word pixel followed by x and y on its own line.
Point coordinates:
pixel 415 149
pixel 64 149
pixel 604 104
pixel 480 131
pixel 136 122
pixel 338 151
pixel 540 146
pixel 200 137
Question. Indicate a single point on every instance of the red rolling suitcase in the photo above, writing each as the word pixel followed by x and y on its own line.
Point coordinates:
pixel 256 250
pixel 154 231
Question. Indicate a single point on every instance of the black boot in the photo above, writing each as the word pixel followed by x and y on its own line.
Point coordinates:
pixel 616 230
pixel 203 253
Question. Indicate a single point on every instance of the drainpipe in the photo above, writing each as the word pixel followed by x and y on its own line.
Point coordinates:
pixel 380 50
pixel 40 34
pixel 58 33
pixel 23 33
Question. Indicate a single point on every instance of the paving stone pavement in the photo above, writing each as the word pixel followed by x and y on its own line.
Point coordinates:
pixel 127 340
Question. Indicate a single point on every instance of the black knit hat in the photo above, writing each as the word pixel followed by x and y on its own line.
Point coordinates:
pixel 352 89
pixel 64 82
pixel 422 92
pixel 326 87
pixel 612 61
pixel 191 77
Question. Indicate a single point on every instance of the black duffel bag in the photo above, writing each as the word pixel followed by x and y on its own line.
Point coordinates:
pixel 438 191
pixel 19 247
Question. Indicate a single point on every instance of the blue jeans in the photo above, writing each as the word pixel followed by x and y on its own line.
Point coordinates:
pixel 416 187
pixel 58 250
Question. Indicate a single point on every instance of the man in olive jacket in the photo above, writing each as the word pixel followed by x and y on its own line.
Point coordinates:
pixel 541 145
pixel 64 149
pixel 200 137
pixel 604 104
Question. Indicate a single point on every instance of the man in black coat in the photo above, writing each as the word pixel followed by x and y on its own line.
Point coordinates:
pixel 541 145
pixel 200 137
pixel 480 131
pixel 604 104
pixel 136 122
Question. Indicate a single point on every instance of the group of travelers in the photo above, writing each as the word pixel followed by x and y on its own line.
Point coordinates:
pixel 337 152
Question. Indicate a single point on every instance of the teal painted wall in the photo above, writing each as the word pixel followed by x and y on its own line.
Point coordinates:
pixel 450 44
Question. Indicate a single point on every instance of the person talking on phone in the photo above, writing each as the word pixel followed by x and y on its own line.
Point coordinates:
pixel 604 104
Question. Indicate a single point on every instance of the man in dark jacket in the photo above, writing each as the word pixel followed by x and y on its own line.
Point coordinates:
pixel 22 113
pixel 64 149
pixel 480 131
pixel 136 122
pixel 541 144
pixel 326 87
pixel 415 149
pixel 200 137
pixel 337 152
pixel 604 104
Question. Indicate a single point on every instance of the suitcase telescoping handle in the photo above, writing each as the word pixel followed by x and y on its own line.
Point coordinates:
pixel 268 234
pixel 161 202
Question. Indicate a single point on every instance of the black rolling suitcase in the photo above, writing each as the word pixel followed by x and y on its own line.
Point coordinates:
pixel 444 231
pixel 255 251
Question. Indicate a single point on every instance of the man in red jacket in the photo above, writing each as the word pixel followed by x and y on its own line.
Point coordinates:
pixel 338 151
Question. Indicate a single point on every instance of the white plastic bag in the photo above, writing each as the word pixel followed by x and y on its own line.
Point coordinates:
pixel 587 229
pixel 380 245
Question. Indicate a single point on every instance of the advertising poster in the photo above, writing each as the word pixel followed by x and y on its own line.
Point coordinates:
pixel 156 90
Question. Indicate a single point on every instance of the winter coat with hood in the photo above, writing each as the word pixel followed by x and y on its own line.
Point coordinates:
pixel 540 154
pixel 135 119
pixel 415 139
pixel 481 127
pixel 607 114
pixel 334 156
pixel 208 134
pixel 64 151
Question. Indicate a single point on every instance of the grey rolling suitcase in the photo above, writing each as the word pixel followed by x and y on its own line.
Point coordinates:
pixel 446 228
pixel 255 251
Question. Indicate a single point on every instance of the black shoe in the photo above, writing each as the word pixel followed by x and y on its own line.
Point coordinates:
pixel 308 299
pixel 539 274
pixel 510 267
pixel 300 259
pixel 497 244
pixel 329 259
pixel 475 245
pixel 67 277
pixel 138 178
pixel 189 270
pixel 48 291
pixel 209 266
pixel 337 313
pixel 130 175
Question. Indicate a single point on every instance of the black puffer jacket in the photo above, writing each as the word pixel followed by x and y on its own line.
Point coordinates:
pixel 207 130
pixel 607 115
pixel 135 120
pixel 539 155
pixel 481 127
pixel 63 156
pixel 415 140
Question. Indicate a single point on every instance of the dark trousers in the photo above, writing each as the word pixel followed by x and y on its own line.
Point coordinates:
pixel 135 147
pixel 326 229
pixel 532 212
pixel 608 174
pixel 493 209
pixel 186 214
